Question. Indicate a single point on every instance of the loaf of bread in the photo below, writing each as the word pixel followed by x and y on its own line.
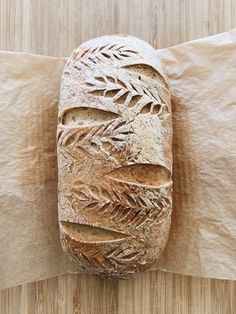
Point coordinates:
pixel 114 142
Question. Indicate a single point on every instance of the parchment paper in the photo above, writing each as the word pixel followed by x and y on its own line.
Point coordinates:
pixel 202 76
pixel 202 242
pixel 29 240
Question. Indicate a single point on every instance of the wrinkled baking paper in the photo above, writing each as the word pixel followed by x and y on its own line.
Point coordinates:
pixel 203 236
pixel 202 76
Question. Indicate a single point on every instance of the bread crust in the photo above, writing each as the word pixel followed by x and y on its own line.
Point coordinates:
pixel 114 142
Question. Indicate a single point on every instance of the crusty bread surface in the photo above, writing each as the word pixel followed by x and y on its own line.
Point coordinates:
pixel 114 142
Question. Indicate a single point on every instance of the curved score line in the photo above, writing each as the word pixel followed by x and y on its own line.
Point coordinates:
pixel 86 116
pixel 142 174
pixel 91 234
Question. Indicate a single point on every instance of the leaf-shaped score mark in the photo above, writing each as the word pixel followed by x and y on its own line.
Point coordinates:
pixel 126 208
pixel 92 205
pixel 109 87
pixel 130 93
pixel 148 71
pixel 81 195
pixel 106 194
pixel 97 139
pixel 110 52
pixel 151 108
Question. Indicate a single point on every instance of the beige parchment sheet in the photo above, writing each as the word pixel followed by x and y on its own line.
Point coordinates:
pixel 202 76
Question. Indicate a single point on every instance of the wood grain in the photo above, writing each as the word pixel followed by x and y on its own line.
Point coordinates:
pixel 55 28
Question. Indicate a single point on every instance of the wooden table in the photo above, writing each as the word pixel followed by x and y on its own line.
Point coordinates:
pixel 54 28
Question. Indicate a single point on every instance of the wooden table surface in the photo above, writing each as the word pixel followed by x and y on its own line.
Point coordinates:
pixel 54 28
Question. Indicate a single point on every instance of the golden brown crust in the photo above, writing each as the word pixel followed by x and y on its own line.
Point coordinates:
pixel 114 157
